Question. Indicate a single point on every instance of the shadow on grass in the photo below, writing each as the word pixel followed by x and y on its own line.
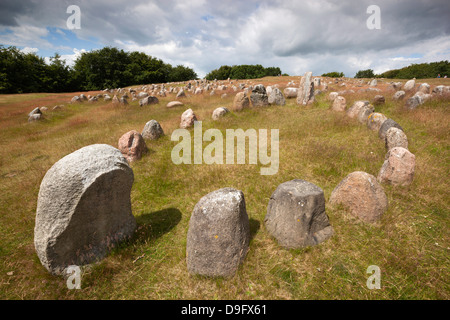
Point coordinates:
pixel 255 225
pixel 152 226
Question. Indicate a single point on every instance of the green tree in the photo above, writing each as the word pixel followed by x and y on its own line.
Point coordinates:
pixel 333 74
pixel 365 74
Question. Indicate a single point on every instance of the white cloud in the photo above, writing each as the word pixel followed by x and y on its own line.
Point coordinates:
pixel 29 50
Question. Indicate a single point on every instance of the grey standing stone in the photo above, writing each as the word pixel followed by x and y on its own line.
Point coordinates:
pixel 259 96
pixel 365 113
pixel 387 124
pixel 354 110
pixel 276 97
pixel 148 101
pixel 306 90
pixel 296 215
pixel 218 235
pixel 395 137
pixel 241 101
pixel 83 208
pixel 290 92
pixel 219 113
pixel 409 85
pixel 413 102
pixel 399 95
pixel 152 130
pixel 375 120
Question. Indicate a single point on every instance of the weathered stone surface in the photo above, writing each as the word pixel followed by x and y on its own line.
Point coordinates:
pixel 395 137
pixel 132 145
pixel 306 90
pixel 290 92
pixel 173 104
pixel 218 235
pixel 219 113
pixel 75 99
pixel 241 101
pixel 187 119
pixel 361 195
pixel 355 109
pixel 83 208
pixel 83 97
pixel 399 95
pixel 373 83
pixel 276 97
pixel 378 100
pixel 259 97
pixel 148 101
pixel 387 124
pixel 181 94
pixel 424 88
pixel 339 104
pixel 413 102
pixel 333 95
pixel 398 168
pixel 123 100
pixel 152 130
pixel 409 85
pixel 142 95
pixel 115 100
pixel 296 215
pixel 365 113
pixel 375 120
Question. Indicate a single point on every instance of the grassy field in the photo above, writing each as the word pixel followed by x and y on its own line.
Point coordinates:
pixel 410 244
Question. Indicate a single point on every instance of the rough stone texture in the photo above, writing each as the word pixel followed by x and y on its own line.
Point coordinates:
pixel 173 104
pixel 290 93
pixel 399 95
pixel 424 88
pixel 35 115
pixel 365 113
pixel 259 97
pixel 152 130
pixel 123 100
pixel 355 109
pixel 219 113
pixel 395 137
pixel 218 235
pixel 142 95
pixel 413 102
pixel 148 101
pixel 409 85
pixel 306 90
pixel 83 97
pixel 373 83
pixel 361 195
pixel 115 100
pixel 132 145
pixel 378 100
pixel 241 101
pixel 181 94
pixel 398 168
pixel 187 119
pixel 83 208
pixel 276 97
pixel 75 99
pixel 296 215
pixel 441 89
pixel 375 120
pixel 387 124
pixel 339 104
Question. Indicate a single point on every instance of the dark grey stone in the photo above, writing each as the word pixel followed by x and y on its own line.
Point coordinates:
pixel 152 130
pixel 296 215
pixel 387 124
pixel 259 96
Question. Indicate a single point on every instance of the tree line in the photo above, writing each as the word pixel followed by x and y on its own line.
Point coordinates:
pixel 243 71
pixel 418 71
pixel 96 70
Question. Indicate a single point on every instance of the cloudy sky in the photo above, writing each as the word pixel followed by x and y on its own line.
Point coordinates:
pixel 297 36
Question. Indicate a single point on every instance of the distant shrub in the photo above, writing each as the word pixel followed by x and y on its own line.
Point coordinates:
pixel 333 74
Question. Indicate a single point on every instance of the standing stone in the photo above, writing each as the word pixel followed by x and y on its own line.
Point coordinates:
pixel 142 95
pixel 123 100
pixel 378 100
pixel 218 235
pixel 259 96
pixel 395 137
pixel 409 85
pixel 354 110
pixel 413 102
pixel 290 92
pixel 219 113
pixel 306 90
pixel 132 146
pixel 389 123
pixel 375 120
pixel 83 208
pixel 187 119
pixel 296 215
pixel 339 104
pixel 361 195
pixel 75 99
pixel 365 113
pixel 276 97
pixel 148 101
pixel 399 95
pixel 152 130
pixel 181 94
pixel 398 168
pixel 115 100
pixel 333 95
pixel 373 83
pixel 241 101
pixel 424 88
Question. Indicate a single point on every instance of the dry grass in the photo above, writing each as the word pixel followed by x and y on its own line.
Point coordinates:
pixel 410 244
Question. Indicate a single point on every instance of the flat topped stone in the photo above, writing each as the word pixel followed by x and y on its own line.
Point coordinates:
pixel 296 215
